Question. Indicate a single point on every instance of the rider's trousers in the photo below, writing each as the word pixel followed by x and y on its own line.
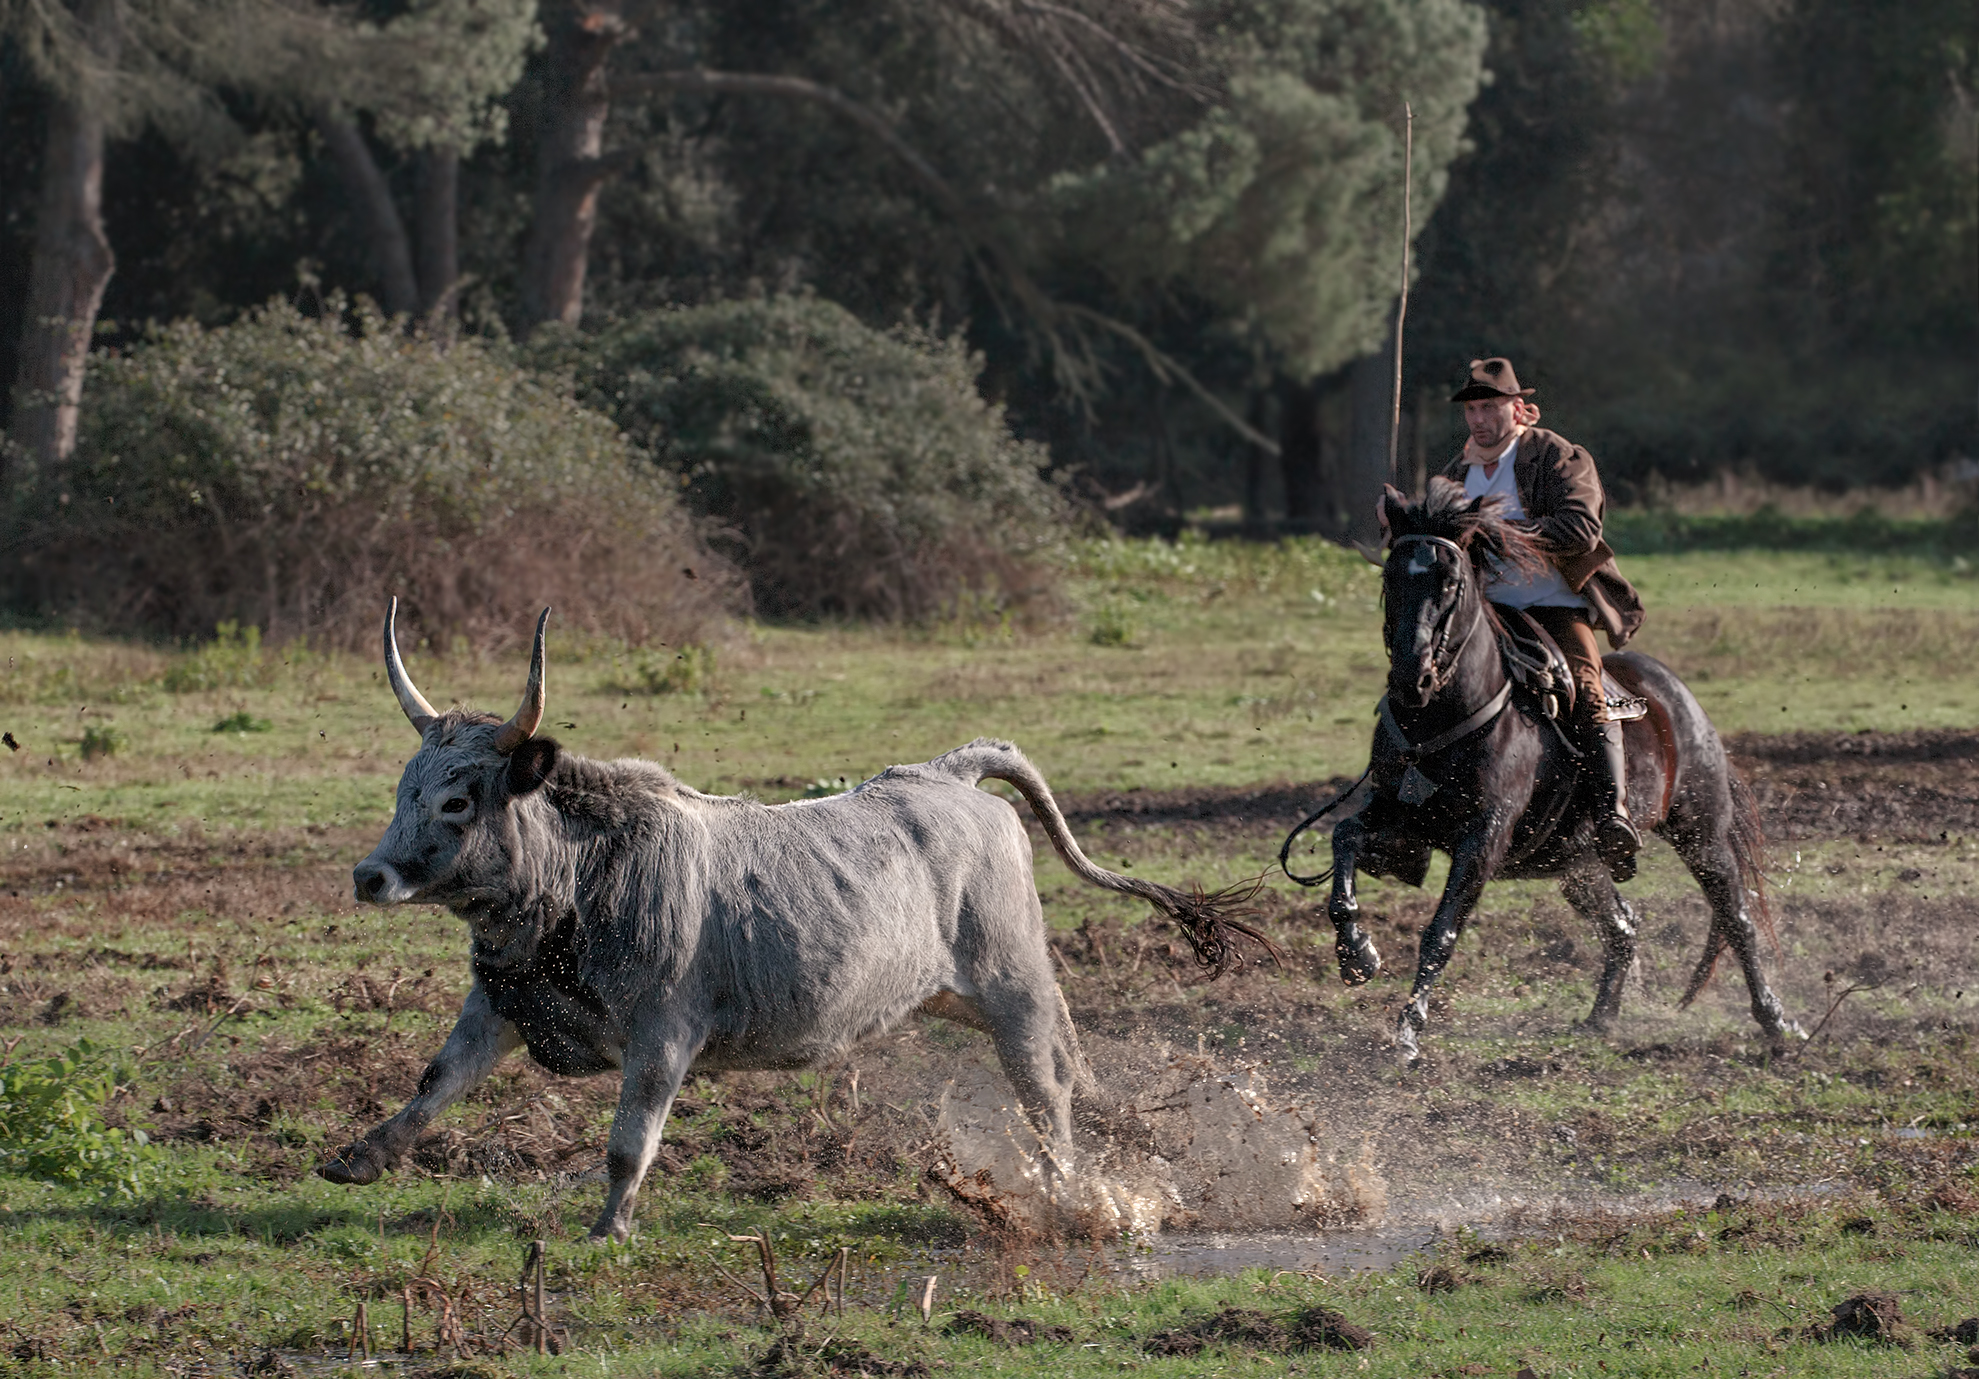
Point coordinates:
pixel 1571 628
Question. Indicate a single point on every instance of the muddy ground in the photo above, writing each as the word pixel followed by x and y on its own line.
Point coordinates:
pixel 281 1056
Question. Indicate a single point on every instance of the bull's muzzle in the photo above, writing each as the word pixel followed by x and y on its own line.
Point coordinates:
pixel 378 883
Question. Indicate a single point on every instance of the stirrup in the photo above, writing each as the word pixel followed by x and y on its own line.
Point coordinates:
pixel 1617 842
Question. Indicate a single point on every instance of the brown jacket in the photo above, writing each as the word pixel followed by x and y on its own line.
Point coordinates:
pixel 1564 506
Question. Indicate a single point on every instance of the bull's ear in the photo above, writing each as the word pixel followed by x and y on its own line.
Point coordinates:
pixel 530 765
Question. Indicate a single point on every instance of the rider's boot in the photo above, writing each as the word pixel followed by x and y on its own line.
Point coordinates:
pixel 1615 838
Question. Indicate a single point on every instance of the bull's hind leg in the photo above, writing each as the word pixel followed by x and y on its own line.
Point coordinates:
pixel 1042 1063
pixel 480 1039
pixel 654 1068
pixel 1715 868
pixel 1591 891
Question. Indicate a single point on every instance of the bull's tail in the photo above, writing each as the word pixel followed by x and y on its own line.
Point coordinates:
pixel 1209 921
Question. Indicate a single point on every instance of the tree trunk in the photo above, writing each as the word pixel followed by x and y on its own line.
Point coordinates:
pixel 437 223
pixel 72 261
pixel 570 167
pixel 1257 518
pixel 391 252
pixel 1298 454
pixel 1366 469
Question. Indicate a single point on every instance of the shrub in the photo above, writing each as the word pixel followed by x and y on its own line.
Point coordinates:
pixel 232 660
pixel 288 472
pixel 689 670
pixel 241 721
pixel 51 1122
pixel 102 740
pixel 859 471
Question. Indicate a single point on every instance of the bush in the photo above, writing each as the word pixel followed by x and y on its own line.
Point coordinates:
pixel 102 740
pixel 52 1128
pixel 289 472
pixel 232 660
pixel 860 471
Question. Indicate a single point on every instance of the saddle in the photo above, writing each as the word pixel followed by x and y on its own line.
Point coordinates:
pixel 1534 662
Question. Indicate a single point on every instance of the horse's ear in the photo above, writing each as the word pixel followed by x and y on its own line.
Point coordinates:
pixel 1394 507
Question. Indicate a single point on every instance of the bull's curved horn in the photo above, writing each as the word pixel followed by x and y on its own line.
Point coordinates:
pixel 411 700
pixel 529 716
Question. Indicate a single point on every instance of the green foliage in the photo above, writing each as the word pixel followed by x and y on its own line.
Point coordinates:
pixel 287 473
pixel 861 470
pixel 1282 203
pixel 51 1122
pixel 232 660
pixel 1112 625
pixel 241 721
pixel 1626 36
pixel 689 670
pixel 103 740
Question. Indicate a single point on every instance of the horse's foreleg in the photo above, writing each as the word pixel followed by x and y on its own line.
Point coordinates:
pixel 1592 893
pixel 1359 960
pixel 1468 873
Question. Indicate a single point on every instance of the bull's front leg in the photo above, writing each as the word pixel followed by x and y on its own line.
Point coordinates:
pixel 1359 960
pixel 480 1039
pixel 654 1067
pixel 1469 869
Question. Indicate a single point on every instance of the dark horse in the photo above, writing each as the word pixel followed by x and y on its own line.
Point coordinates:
pixel 1498 791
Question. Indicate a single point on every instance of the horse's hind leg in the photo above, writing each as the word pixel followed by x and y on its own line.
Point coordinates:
pixel 1589 889
pixel 1715 868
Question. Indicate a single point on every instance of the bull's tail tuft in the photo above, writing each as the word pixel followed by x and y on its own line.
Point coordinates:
pixel 1210 920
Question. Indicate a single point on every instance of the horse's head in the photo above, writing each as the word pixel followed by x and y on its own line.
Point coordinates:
pixel 1431 582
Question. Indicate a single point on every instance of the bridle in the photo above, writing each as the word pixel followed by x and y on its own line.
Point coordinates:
pixel 1441 665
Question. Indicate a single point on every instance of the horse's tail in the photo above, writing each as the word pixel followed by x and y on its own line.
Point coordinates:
pixel 1748 838
pixel 1208 920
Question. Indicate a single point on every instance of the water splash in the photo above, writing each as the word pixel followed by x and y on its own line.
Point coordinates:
pixel 1201 1149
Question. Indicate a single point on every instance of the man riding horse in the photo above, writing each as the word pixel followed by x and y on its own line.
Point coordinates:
pixel 1549 486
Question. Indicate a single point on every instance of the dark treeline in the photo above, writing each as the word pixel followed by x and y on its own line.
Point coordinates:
pixel 1715 232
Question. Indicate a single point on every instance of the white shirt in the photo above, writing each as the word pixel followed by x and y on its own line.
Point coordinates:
pixel 1513 588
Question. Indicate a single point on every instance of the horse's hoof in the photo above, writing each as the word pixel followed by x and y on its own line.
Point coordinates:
pixel 1358 962
pixel 355 1165
pixel 1789 1033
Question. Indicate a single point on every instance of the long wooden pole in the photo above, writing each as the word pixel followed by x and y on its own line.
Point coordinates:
pixel 1402 301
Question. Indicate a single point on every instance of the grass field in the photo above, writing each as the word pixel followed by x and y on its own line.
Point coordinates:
pixel 178 828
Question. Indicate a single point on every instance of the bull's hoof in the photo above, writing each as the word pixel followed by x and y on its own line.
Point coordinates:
pixel 1359 960
pixel 609 1232
pixel 354 1165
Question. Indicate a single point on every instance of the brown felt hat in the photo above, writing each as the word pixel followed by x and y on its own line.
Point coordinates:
pixel 1490 378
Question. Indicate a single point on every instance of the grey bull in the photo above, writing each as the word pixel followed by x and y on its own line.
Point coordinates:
pixel 620 919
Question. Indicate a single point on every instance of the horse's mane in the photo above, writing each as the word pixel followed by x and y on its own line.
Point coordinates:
pixel 1478 526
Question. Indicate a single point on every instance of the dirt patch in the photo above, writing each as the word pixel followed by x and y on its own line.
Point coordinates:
pixel 1007 1331
pixel 793 1355
pixel 1914 785
pixel 1910 785
pixel 1866 1316
pixel 1312 1328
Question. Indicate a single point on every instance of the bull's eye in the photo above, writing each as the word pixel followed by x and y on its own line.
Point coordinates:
pixel 456 805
